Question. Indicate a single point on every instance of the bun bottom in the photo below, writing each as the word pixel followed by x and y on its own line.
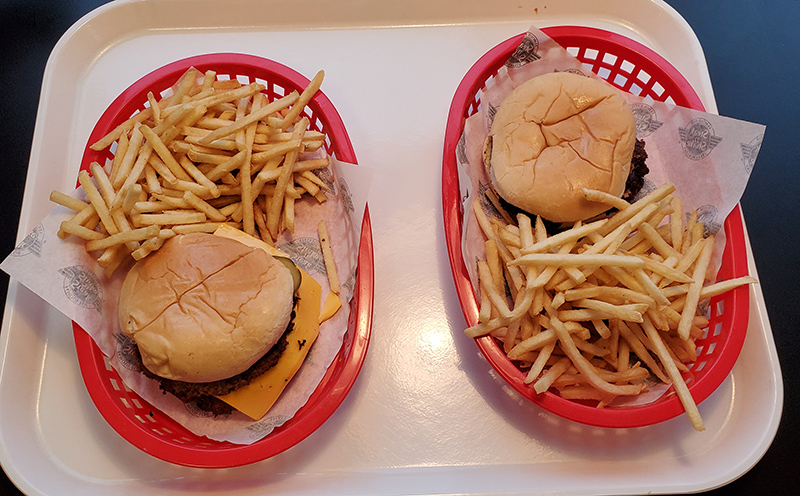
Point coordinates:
pixel 203 394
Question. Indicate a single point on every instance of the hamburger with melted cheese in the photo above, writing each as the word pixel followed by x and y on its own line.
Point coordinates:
pixel 556 134
pixel 209 315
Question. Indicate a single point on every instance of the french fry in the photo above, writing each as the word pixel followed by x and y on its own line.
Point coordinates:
pixel 305 97
pixel 210 212
pixel 276 202
pixel 97 201
pixel 677 379
pixel 169 218
pixel 124 237
pixel 67 201
pixel 693 296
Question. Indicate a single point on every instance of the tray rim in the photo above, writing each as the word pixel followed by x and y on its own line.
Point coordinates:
pixel 14 288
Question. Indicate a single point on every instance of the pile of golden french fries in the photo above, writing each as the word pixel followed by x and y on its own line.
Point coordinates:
pixel 593 311
pixel 212 152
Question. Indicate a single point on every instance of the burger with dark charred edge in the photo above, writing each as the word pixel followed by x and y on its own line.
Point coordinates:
pixel 208 314
pixel 556 134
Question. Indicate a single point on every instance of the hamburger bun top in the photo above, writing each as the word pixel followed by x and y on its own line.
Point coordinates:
pixel 554 135
pixel 205 308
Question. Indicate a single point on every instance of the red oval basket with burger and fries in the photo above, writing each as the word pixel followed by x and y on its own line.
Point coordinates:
pixel 132 417
pixel 625 64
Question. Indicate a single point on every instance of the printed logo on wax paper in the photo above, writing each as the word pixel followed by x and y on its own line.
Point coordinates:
pixel 461 149
pixel 126 352
pixel 648 187
pixel 698 138
pixel 347 196
pixel 82 287
pixel 750 152
pixel 491 111
pixel 193 409
pixel 573 71
pixel 307 253
pixel 32 244
pixel 646 119
pixel 464 184
pixel 265 425
pixel 486 203
pixel 326 176
pixel 526 52
pixel 349 285
pixel 708 215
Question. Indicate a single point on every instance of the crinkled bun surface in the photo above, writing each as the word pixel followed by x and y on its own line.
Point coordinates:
pixel 554 135
pixel 204 308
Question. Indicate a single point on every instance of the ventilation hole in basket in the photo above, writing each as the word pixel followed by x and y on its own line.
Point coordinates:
pixel 717 328
pixel 165 93
pixel 278 90
pixel 590 54
pixel 140 419
pixel 627 66
pixel 658 89
pixel 609 58
pixel 223 77
pixel 643 76
pixel 699 366
pixel 107 363
pixel 711 348
pixel 245 80
pixel 604 73
pixel 699 350
pixel 720 307
pixel 315 125
pixel 670 100
pixel 124 401
pixel 588 67
pixel 573 51
pixel 635 89
pixel 620 80
pixel 136 403
pixel 310 113
pixel 114 384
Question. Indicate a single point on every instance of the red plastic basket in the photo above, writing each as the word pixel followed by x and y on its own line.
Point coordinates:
pixel 633 66
pixel 133 418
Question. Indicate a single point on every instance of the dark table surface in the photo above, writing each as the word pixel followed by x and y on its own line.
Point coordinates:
pixel 752 49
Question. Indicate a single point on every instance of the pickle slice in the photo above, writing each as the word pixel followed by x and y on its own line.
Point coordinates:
pixel 296 276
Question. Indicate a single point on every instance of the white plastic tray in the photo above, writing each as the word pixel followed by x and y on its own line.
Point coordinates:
pixel 426 414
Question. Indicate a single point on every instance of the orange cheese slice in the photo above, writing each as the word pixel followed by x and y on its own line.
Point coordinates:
pixel 255 399
pixel 330 307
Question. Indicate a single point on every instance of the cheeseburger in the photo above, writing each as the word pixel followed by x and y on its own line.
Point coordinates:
pixel 208 314
pixel 556 134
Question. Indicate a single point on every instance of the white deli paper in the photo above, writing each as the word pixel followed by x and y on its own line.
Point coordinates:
pixel 64 275
pixel 706 156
